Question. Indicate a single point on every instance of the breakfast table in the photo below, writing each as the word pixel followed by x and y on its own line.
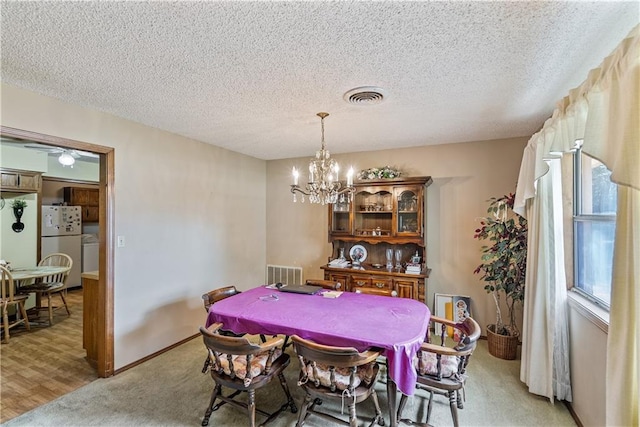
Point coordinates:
pixel 24 275
pixel 398 326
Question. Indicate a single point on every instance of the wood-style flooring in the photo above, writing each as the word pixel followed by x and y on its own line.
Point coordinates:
pixel 45 363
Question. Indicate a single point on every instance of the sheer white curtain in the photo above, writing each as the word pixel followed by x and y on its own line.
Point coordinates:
pixel 545 337
pixel 603 112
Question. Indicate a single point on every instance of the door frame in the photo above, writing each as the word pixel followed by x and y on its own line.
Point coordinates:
pixel 104 314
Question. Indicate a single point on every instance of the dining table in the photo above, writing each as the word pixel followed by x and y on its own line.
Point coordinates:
pixel 397 326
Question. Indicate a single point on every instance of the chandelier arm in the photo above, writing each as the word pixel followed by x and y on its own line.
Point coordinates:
pixel 298 189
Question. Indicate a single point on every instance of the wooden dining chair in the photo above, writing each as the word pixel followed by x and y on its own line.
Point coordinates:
pixel 219 294
pixel 54 284
pixel 243 366
pixel 8 298
pixel 340 374
pixel 376 291
pixel 442 367
pixel 325 284
pixel 211 298
pixel 381 360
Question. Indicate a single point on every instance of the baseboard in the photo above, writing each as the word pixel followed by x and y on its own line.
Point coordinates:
pixel 573 413
pixel 157 353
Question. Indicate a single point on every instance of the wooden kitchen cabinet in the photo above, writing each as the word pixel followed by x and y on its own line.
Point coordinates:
pixel 90 298
pixel 384 214
pixel 19 181
pixel 87 198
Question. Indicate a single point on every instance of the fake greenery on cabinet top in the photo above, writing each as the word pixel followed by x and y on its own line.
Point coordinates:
pixel 385 172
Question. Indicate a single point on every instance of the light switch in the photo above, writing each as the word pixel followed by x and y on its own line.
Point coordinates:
pixel 120 241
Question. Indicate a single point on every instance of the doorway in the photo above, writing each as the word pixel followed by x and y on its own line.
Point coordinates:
pixel 104 306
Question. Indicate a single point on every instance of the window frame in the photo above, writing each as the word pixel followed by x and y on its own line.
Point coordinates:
pixel 578 217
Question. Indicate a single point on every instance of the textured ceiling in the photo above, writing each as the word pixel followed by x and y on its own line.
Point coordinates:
pixel 250 76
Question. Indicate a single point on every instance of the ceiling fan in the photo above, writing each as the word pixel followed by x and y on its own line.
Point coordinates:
pixel 66 156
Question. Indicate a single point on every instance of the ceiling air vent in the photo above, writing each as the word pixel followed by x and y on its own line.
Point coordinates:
pixel 365 95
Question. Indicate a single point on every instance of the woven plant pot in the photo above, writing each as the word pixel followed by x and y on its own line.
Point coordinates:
pixel 502 346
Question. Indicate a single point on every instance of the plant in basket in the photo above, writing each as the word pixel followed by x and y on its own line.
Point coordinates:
pixel 503 265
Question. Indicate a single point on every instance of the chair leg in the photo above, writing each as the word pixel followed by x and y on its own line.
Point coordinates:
pixel 353 421
pixel 454 407
pixel 25 318
pixel 214 396
pixel 64 301
pixel 303 410
pixel 285 387
pixel 379 419
pixel 429 406
pixel 459 400
pixel 50 307
pixel 251 406
pixel 5 321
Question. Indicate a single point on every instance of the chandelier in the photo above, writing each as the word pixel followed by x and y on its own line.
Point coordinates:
pixel 324 185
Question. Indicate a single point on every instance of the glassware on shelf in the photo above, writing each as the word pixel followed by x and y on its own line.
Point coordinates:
pixel 389 259
pixel 341 257
pixel 399 259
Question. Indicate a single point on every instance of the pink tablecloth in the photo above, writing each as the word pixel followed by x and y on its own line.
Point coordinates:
pixel 397 325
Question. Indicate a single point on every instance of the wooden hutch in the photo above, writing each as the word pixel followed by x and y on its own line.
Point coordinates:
pixel 384 214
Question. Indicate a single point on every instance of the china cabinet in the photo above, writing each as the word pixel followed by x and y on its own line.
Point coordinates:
pixel 382 231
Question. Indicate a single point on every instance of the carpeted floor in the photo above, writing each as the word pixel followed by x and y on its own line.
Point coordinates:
pixel 170 390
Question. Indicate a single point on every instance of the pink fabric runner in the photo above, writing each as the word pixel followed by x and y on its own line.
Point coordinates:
pixel 397 325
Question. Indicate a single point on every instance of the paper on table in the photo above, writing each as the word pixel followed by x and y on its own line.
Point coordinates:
pixel 331 294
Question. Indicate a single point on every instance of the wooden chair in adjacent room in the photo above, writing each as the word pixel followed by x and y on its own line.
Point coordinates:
pixel 8 298
pixel 340 374
pixel 326 284
pixel 55 284
pixel 442 369
pixel 243 366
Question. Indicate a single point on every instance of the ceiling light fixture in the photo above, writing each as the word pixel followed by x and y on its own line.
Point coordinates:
pixel 324 184
pixel 66 159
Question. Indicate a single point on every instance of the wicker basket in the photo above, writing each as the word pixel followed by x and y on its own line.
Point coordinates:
pixel 502 346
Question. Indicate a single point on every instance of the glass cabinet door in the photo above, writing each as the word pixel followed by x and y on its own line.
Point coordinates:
pixel 373 208
pixel 339 217
pixel 409 211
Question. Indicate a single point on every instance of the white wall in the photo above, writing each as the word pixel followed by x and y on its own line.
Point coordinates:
pixel 464 176
pixel 193 217
pixel 19 248
pixel 588 359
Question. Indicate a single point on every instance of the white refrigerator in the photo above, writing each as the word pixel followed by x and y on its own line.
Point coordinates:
pixel 61 232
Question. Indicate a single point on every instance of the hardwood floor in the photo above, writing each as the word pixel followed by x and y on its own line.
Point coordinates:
pixel 45 363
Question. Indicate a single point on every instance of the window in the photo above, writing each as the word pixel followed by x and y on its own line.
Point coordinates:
pixel 594 224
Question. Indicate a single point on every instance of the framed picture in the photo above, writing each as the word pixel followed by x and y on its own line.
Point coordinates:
pixel 452 307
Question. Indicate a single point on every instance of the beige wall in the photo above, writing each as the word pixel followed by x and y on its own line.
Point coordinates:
pixel 193 216
pixel 588 361
pixel 464 176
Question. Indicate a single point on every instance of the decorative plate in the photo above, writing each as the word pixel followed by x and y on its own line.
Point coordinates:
pixel 358 251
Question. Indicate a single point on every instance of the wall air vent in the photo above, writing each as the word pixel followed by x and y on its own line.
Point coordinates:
pixel 365 95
